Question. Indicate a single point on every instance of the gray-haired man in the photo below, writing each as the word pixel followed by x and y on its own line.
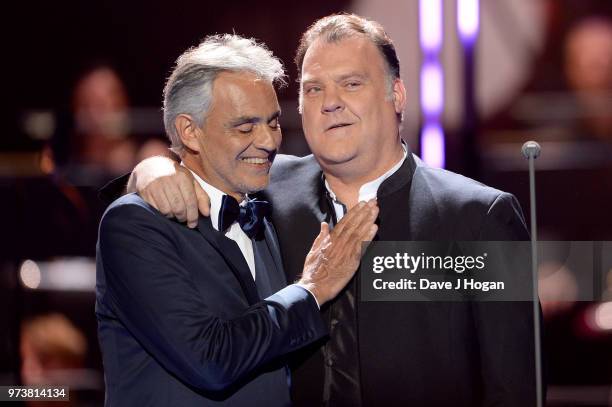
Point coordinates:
pixel 203 317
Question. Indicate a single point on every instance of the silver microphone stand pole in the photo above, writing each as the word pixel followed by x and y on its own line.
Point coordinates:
pixel 531 151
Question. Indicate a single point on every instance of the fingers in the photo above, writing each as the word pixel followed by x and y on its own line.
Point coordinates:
pixel 178 207
pixel 362 239
pixel 324 230
pixel 357 228
pixel 335 256
pixel 367 229
pixel 355 216
pixel 187 204
pixel 363 214
pixel 151 201
pixel 339 227
pixel 327 236
pixel 191 206
pixel 321 238
pixel 157 198
pixel 175 195
pixel 348 218
pixel 202 199
pixel 371 234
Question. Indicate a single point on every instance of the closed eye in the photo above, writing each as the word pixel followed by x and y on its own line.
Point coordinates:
pixel 245 127
pixel 274 123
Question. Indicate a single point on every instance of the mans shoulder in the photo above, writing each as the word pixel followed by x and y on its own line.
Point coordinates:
pixel 129 199
pixel 130 208
pixel 289 166
pixel 448 187
pixel 293 178
pixel 477 211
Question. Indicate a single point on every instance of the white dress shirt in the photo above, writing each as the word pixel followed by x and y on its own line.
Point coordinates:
pixel 234 232
pixel 367 191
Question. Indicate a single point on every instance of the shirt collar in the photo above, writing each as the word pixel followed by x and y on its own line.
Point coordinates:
pixel 369 190
pixel 214 194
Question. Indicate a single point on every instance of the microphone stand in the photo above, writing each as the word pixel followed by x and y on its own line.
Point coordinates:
pixel 531 151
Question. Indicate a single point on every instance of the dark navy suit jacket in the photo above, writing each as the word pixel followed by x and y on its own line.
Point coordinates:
pixel 181 321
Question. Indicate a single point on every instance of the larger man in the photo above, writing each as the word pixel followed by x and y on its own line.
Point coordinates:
pixel 382 353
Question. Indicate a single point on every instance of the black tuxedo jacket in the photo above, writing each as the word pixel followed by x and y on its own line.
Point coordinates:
pixel 415 353
pixel 181 321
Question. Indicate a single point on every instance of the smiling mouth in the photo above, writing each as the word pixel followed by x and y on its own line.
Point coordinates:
pixel 256 160
pixel 260 162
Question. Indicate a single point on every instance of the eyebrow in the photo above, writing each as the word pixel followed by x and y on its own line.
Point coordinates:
pixel 351 75
pixel 337 79
pixel 309 81
pixel 253 119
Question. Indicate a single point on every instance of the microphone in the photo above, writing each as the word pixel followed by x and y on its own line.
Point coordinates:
pixel 531 150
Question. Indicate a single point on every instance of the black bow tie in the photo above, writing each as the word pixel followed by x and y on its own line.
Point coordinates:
pixel 250 216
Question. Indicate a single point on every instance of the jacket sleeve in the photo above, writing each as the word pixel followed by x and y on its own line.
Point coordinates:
pixel 150 289
pixel 505 329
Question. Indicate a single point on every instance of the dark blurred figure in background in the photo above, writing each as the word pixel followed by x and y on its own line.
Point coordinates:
pixel 98 146
pixel 92 143
pixel 587 52
pixel 53 352
pixel 50 344
pixel 588 70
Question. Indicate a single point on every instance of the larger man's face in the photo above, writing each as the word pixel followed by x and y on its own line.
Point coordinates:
pixel 348 113
pixel 241 135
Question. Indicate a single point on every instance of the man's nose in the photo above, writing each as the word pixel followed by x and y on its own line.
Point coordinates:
pixel 268 138
pixel 332 102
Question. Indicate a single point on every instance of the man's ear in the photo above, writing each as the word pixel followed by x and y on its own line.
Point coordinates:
pixel 188 131
pixel 399 95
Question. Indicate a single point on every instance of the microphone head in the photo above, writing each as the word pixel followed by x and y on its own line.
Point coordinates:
pixel 531 149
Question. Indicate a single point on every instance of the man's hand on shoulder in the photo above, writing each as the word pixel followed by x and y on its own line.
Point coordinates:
pixel 170 188
pixel 335 256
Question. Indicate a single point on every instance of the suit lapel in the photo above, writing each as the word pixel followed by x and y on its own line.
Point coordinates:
pixel 270 238
pixel 229 251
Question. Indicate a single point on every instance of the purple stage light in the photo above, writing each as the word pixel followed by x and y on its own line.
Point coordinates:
pixel 432 89
pixel 431 30
pixel 430 25
pixel 432 145
pixel 468 20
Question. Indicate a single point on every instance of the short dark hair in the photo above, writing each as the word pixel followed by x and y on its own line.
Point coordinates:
pixel 336 27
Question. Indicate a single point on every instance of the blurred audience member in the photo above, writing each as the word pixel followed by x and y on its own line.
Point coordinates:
pixel 588 69
pixel 50 344
pixel 557 288
pixel 153 147
pixel 53 352
pixel 99 145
